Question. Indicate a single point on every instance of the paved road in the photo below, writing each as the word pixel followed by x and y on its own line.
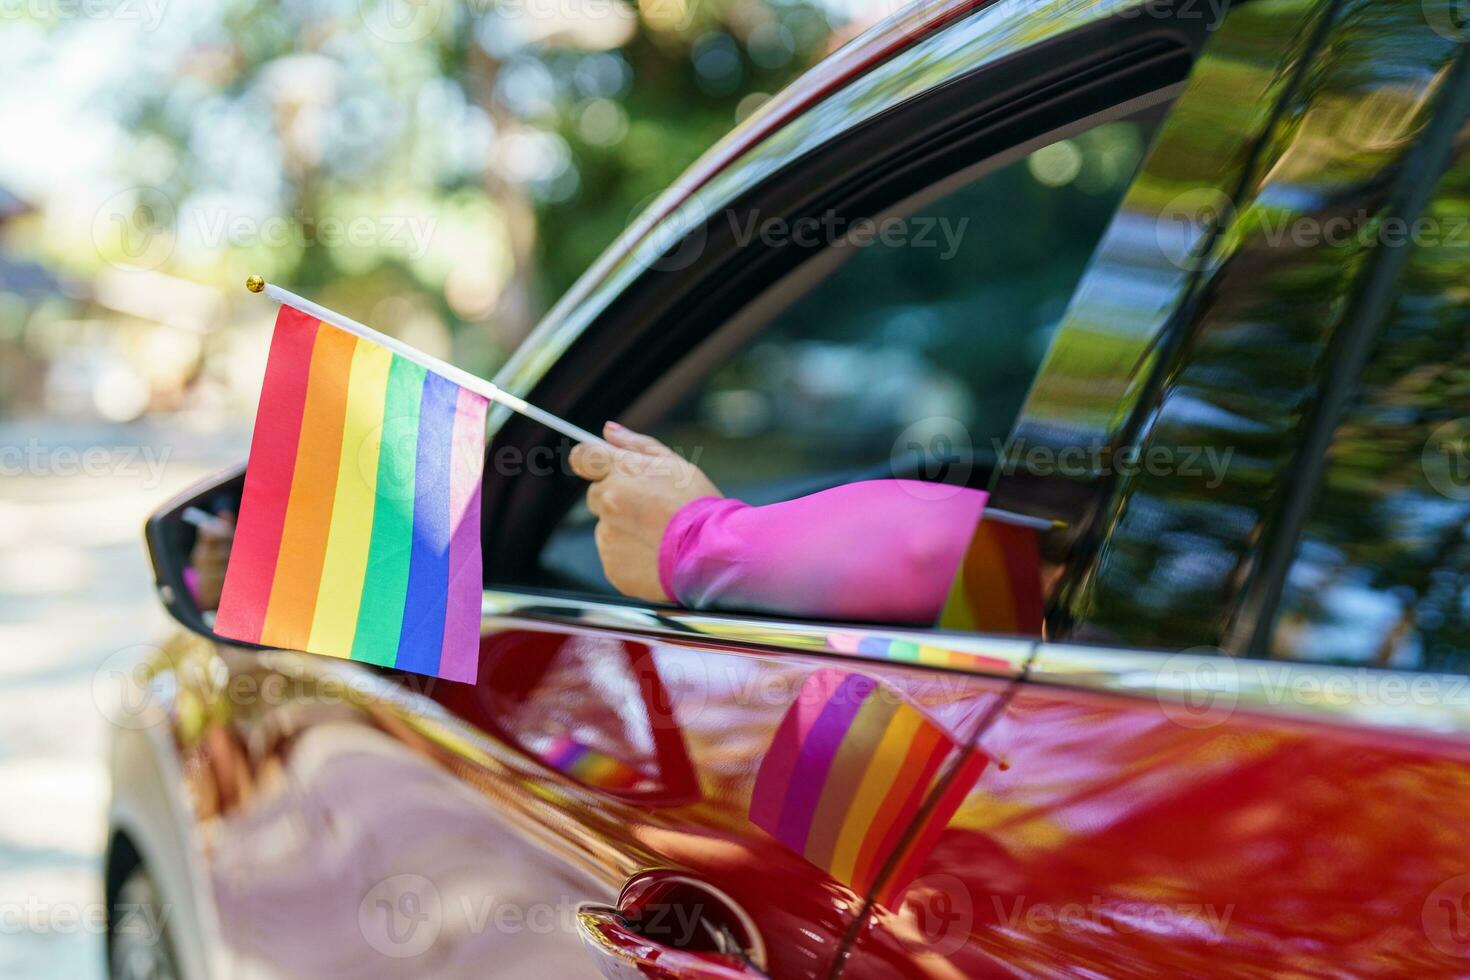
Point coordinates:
pixel 74 588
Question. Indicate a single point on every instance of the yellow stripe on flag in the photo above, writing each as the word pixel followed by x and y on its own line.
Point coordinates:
pixel 887 762
pixel 313 488
pixel 345 564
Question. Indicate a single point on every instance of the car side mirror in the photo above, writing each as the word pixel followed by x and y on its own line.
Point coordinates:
pixel 188 544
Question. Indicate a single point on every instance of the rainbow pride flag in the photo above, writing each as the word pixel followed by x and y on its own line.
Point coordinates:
pixel 359 530
pixel 591 766
pixel 846 775
pixel 998 586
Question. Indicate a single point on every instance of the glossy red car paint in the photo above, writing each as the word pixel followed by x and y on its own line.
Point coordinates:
pixel 1131 838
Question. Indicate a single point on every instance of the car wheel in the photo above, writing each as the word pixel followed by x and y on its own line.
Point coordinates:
pixel 138 943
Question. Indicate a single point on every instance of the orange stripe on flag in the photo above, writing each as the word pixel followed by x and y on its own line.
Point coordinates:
pixel 929 749
pixel 988 587
pixel 313 489
pixel 935 823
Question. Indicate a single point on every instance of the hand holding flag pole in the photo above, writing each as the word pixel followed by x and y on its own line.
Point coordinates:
pixel 461 377
pixel 359 524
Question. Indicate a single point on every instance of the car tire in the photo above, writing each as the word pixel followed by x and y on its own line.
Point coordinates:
pixel 139 946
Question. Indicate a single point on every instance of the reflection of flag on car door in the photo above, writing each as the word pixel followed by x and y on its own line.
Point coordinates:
pixel 359 529
pixel 591 766
pixel 846 776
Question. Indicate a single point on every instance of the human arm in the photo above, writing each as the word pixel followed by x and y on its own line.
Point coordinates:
pixel 880 550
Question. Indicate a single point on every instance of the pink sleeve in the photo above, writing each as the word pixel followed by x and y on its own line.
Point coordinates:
pixel 880 551
pixel 191 582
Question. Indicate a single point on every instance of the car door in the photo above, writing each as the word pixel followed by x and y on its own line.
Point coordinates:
pixel 630 789
pixel 1241 748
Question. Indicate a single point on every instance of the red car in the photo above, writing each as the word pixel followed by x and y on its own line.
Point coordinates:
pixel 1186 291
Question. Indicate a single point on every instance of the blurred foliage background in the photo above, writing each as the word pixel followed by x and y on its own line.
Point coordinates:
pixel 443 169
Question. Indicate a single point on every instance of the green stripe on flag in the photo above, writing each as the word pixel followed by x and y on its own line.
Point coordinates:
pixel 380 617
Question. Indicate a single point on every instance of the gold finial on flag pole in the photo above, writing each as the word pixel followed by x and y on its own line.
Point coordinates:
pixel 256 284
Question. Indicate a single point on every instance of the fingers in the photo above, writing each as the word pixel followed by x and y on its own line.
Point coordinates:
pixel 631 565
pixel 614 498
pixel 591 461
pixel 597 499
pixel 594 462
pixel 625 438
pixel 630 451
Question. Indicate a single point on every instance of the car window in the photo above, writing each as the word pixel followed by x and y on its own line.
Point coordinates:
pixel 1382 574
pixel 927 336
pixel 1184 379
pixel 912 355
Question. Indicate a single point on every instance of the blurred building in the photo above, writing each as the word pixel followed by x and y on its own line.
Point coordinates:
pixel 24 284
pixel 20 277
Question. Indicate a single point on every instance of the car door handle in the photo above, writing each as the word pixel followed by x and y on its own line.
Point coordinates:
pixel 668 926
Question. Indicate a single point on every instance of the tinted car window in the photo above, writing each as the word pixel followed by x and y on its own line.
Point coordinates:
pixel 925 339
pixel 913 355
pixel 1382 574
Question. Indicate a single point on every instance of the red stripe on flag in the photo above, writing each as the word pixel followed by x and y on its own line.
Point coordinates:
pixel 1020 549
pixel 252 567
pixel 935 823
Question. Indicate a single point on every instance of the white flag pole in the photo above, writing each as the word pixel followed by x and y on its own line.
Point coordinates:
pixel 459 376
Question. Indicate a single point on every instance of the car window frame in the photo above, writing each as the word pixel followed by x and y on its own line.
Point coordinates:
pixel 890 159
pixel 972 468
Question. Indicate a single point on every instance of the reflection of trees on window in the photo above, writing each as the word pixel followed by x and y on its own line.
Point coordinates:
pixel 1383 573
pixel 1183 538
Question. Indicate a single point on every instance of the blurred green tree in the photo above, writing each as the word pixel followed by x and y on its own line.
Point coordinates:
pixel 462 162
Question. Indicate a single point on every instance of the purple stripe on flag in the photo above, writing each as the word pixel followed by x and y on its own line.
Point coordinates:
pixel 817 753
pixel 774 777
pixel 422 633
pixel 461 657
